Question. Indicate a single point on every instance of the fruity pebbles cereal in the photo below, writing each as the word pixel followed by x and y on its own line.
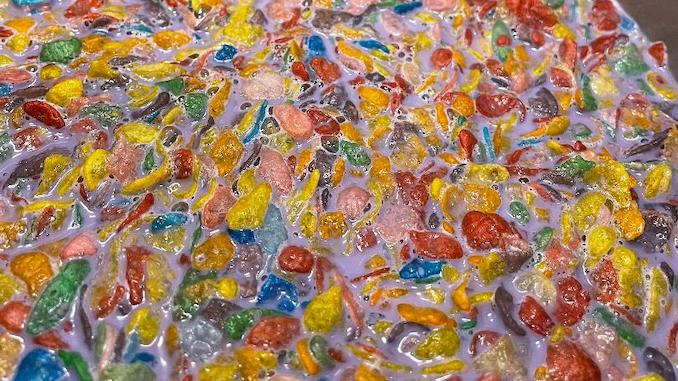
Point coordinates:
pixel 368 190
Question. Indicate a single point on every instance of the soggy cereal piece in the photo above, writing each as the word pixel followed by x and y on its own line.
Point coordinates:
pixel 484 230
pixel 61 51
pixel 395 221
pixel 146 324
pixel 423 315
pixel 34 269
pixel 295 259
pixel 214 211
pixel 13 316
pixel 501 358
pixel 213 254
pixel 123 161
pixel 598 340
pixel 137 370
pixel 332 225
pixel 352 201
pixel 535 317
pixel 324 312
pixel 263 85
pixel 282 10
pixel 82 245
pixel 10 352
pixel 248 258
pixel 248 211
pixel 274 332
pixel 326 70
pixel 567 361
pixel 293 121
pixel 573 301
pixel 435 245
pixel 44 113
pixel 59 295
pixel 440 342
pixel 40 364
pixel 273 232
pixel 274 170
pixel 226 152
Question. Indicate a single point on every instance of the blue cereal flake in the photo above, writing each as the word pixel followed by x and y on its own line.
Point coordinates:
pixel 403 8
pixel 256 127
pixel 144 357
pixel 529 142
pixel 241 237
pixel 25 3
pixel 420 269
pixel 273 233
pixel 168 221
pixel 275 288
pixel 373 44
pixel 627 24
pixel 5 89
pixel 141 30
pixel 131 346
pixel 489 146
pixel 226 53
pixel 151 117
pixel 40 365
pixel 315 46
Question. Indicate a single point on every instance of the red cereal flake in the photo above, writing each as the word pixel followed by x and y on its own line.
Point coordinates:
pixel 183 163
pixel 566 361
pixel 13 316
pixel 327 71
pixel 441 57
pixel 484 230
pixel 295 259
pixel 435 245
pixel 534 316
pixel 274 332
pixel 573 301
pixel 45 113
pixel 135 273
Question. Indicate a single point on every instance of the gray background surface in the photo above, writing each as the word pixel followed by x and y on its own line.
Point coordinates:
pixel 659 20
